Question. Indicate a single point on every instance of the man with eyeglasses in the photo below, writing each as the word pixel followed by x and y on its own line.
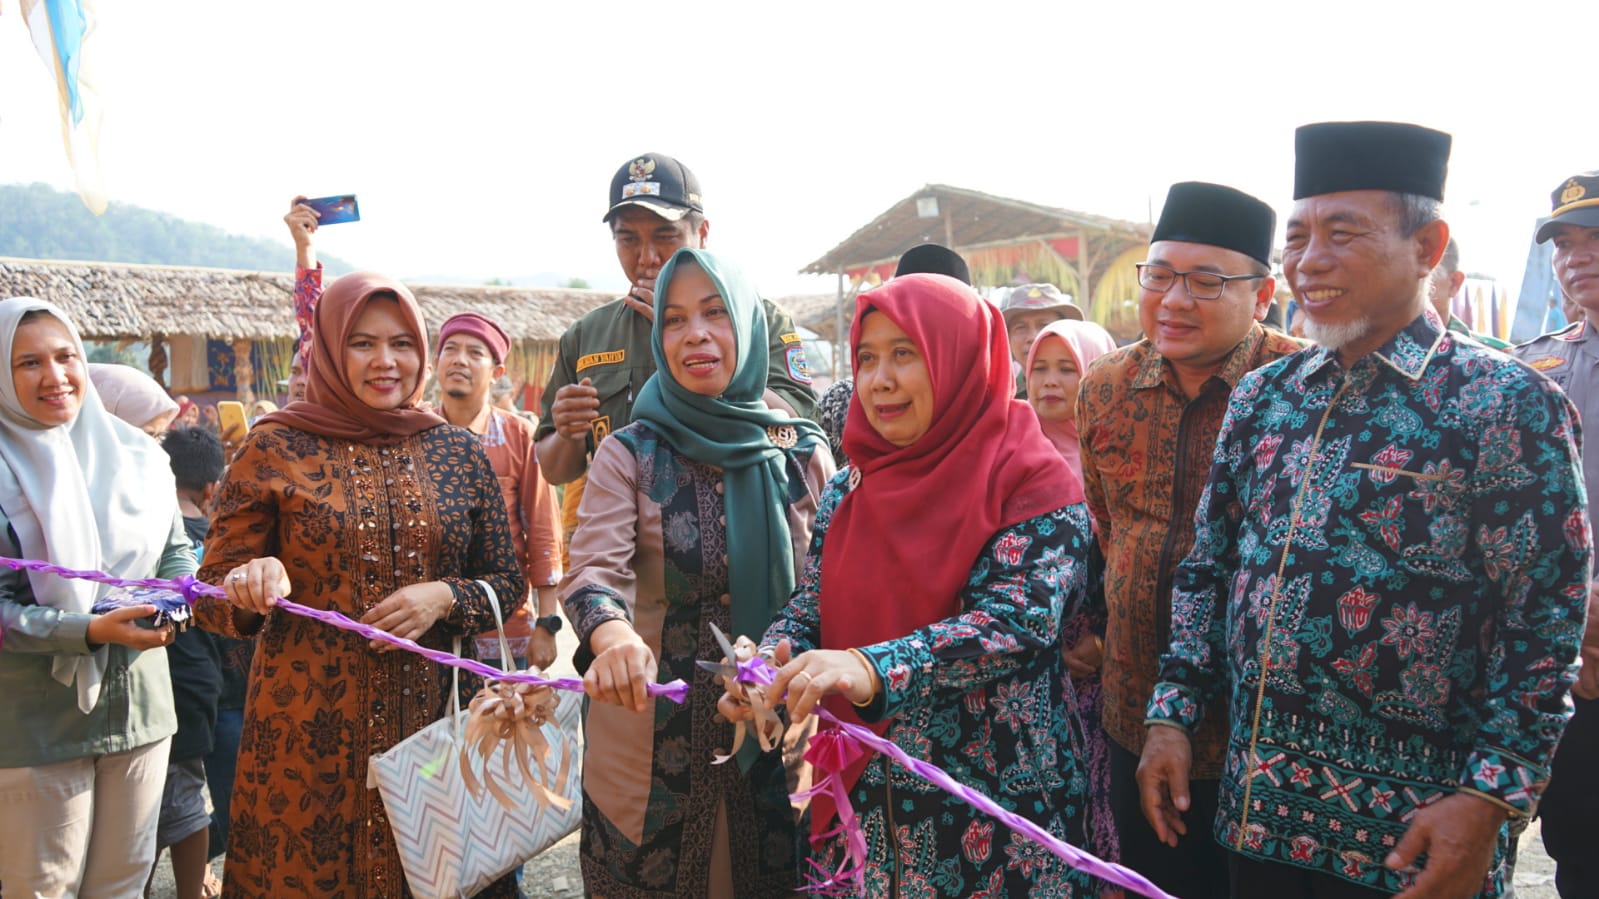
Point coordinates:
pixel 1148 415
pixel 1387 589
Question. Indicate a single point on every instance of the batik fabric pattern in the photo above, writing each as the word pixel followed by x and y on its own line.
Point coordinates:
pixel 1146 451
pixel 351 523
pixel 1401 546
pixel 982 695
pixel 652 550
pixel 307 290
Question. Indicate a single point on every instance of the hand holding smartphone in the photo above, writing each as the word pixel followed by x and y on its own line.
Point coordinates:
pixel 231 423
pixel 335 210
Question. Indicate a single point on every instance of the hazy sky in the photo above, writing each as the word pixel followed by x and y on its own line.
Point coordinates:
pixel 481 137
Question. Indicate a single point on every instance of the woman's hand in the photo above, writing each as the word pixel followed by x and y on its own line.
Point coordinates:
pixel 1084 658
pixel 121 626
pixel 256 585
pixel 735 709
pixel 409 611
pixel 814 674
pixel 623 667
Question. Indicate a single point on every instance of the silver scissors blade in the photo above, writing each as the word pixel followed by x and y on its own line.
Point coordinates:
pixel 717 668
pixel 721 639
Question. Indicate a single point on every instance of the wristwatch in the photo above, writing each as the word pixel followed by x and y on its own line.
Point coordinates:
pixel 551 623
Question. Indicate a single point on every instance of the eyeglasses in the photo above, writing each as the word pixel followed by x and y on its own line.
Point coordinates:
pixel 1200 285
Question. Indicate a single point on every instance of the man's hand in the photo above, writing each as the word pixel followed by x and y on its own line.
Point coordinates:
pixel 1458 834
pixel 1163 781
pixel 574 410
pixel 1587 686
pixel 541 650
pixel 1084 658
pixel 641 298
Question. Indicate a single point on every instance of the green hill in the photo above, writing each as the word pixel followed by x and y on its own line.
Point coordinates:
pixel 40 222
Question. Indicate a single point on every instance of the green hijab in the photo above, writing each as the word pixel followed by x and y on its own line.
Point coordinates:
pixel 735 432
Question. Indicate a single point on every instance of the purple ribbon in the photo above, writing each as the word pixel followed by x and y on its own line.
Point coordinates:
pixel 833 750
pixel 1111 873
pixel 191 589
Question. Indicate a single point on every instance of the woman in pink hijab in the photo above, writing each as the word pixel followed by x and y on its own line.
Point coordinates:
pixel 1055 365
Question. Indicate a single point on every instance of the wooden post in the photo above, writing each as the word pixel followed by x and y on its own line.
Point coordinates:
pixel 158 359
pixel 243 372
pixel 840 335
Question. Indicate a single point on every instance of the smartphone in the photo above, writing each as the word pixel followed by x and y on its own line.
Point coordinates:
pixel 231 422
pixel 335 210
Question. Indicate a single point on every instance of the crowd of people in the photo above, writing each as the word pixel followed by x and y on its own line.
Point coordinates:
pixel 1252 615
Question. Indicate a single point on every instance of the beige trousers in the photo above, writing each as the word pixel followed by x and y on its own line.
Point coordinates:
pixel 83 828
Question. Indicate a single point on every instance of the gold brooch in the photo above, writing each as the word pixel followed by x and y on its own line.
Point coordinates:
pixel 783 436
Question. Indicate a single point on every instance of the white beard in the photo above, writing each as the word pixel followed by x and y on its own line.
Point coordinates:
pixel 1334 337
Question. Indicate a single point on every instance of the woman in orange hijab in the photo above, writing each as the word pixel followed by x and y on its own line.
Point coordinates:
pixel 357 501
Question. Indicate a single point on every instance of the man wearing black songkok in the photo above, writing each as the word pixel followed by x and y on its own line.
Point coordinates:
pixel 1389 578
pixel 1147 416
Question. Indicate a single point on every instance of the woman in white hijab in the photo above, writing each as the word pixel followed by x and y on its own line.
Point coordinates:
pixel 87 703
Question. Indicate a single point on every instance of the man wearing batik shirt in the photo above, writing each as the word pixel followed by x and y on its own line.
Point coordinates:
pixel 1393 532
pixel 1147 416
pixel 471 358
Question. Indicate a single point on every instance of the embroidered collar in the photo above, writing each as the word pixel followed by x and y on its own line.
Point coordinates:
pixel 1407 352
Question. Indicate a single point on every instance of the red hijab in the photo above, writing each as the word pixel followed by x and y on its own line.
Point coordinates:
pixel 331 407
pixel 902 544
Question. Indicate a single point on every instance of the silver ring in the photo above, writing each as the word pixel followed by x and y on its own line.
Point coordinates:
pixel 235 576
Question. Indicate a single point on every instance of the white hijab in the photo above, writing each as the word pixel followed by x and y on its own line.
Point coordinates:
pixel 96 493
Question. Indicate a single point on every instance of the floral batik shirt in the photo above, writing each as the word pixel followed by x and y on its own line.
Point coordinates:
pixel 1401 546
pixel 982 695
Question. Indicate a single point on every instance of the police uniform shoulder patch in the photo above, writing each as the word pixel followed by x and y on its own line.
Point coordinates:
pixel 1574 331
pixel 791 337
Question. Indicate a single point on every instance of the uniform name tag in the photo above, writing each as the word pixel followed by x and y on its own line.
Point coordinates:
pixel 593 359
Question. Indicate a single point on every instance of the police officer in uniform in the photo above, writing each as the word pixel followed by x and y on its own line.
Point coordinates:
pixel 604 358
pixel 1570 357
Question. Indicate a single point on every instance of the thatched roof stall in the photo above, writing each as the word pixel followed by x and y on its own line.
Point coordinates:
pixel 1002 239
pixel 208 316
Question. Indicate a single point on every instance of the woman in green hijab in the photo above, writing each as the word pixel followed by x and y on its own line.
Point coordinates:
pixel 697 513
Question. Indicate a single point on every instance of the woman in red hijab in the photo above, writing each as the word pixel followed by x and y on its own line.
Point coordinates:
pixel 930 604
pixel 358 501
